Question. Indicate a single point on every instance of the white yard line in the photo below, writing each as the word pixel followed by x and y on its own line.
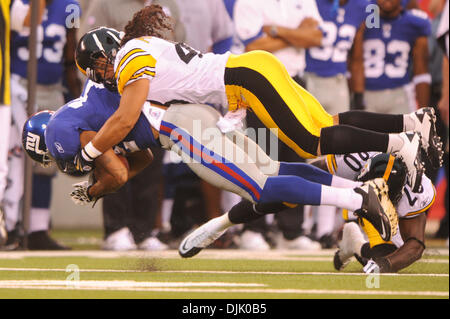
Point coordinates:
pixel 216 272
pixel 182 287
pixel 302 255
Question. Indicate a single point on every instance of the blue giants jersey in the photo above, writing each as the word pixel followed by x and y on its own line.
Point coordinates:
pixel 339 28
pixel 388 49
pixel 88 113
pixel 58 16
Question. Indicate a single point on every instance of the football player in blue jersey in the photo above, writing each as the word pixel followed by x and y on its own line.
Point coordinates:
pixel 396 60
pixel 56 42
pixel 327 65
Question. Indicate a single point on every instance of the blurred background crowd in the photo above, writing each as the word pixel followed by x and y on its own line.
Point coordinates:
pixel 347 68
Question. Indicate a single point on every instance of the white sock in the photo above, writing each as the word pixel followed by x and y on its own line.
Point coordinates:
pixel 39 219
pixel 325 220
pixel 345 198
pixel 166 213
pixel 395 143
pixel 221 223
pixel 409 124
pixel 340 182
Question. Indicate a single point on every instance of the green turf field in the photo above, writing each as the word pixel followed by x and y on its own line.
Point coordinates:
pixel 87 272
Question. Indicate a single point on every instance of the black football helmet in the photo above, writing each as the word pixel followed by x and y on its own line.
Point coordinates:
pixel 101 42
pixel 391 169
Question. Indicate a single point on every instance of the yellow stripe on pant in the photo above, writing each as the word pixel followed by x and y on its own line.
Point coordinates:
pixel 259 81
pixel 372 234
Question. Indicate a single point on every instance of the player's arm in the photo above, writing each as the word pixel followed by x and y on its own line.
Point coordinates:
pixel 413 234
pixel 138 161
pixel 21 14
pixel 70 68
pixel 421 77
pixel 117 127
pixel 111 164
pixel 356 68
pixel 267 43
pixel 306 35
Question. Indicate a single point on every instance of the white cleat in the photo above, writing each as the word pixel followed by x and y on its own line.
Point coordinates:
pixel 250 240
pixel 352 240
pixel 411 155
pixel 121 240
pixel 425 124
pixel 152 244
pixel 299 243
pixel 200 238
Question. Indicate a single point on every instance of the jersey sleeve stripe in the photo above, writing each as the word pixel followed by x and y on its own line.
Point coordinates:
pixel 413 214
pixel 146 72
pixel 125 57
pixel 131 58
pixel 132 67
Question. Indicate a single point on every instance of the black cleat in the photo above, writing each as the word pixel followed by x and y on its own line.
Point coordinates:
pixel 372 209
pixel 41 240
pixel 425 121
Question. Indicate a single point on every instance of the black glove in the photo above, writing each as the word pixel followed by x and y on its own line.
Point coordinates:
pixel 357 102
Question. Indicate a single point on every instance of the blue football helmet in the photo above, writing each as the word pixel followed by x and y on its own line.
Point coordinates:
pixel 33 137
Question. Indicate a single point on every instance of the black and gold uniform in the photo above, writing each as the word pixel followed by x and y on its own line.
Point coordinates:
pixel 255 80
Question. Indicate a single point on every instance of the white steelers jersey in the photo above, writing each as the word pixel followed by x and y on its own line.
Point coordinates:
pixel 177 73
pixel 410 205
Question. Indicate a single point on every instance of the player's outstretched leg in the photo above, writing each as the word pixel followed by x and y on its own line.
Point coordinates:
pixel 371 208
pixel 203 236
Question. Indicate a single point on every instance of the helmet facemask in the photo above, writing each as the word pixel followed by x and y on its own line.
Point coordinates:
pixel 103 71
pixel 95 55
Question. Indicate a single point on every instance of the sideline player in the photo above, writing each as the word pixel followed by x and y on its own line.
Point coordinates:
pixel 396 60
pixel 56 42
pixel 254 80
pixel 5 109
pixel 407 245
pixel 221 160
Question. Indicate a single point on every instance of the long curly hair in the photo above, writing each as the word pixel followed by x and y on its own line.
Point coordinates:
pixel 149 21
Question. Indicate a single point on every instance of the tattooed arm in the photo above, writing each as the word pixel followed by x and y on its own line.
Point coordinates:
pixel 111 173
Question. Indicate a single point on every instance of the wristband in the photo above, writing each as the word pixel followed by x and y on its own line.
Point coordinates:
pixel 90 153
pixel 422 78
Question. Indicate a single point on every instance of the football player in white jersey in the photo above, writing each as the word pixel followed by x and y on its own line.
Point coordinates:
pixel 407 245
pixel 149 68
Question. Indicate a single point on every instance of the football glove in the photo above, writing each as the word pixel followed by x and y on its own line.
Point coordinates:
pixel 80 193
pixel 377 265
pixel 83 163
